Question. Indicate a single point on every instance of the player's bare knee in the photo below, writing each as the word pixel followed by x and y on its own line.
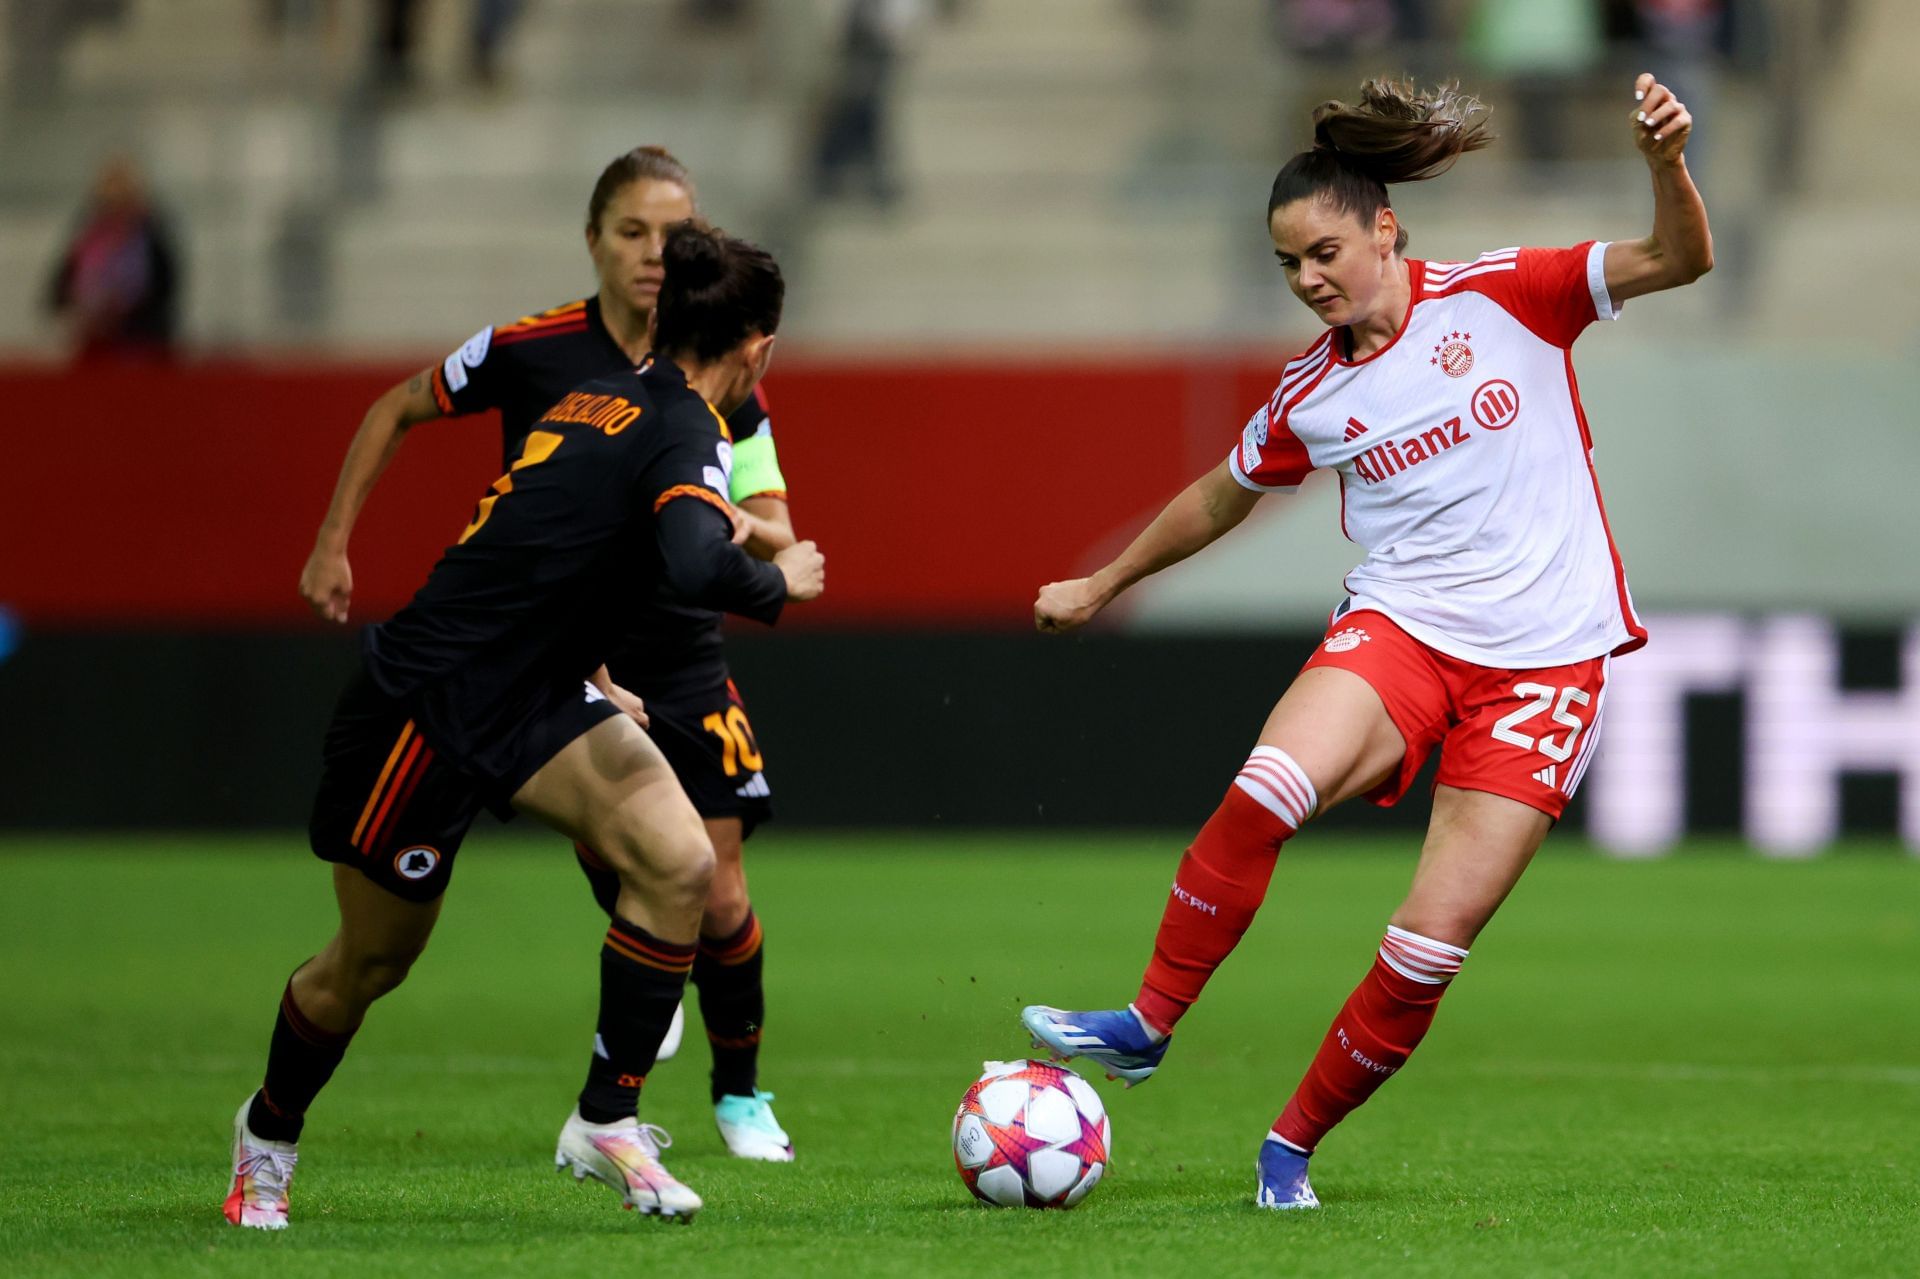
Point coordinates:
pixel 686 865
pixel 672 868
pixel 380 972
pixel 727 905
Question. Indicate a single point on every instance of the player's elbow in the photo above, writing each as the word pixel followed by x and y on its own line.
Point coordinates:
pixel 689 579
pixel 1688 266
pixel 1695 266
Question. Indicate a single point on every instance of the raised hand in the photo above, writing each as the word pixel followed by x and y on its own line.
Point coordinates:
pixel 1661 122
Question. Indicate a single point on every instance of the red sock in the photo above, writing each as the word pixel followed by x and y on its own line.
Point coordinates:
pixel 1377 1030
pixel 1221 882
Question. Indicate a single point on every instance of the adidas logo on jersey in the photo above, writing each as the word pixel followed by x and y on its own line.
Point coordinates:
pixel 1547 775
pixel 1355 428
pixel 1383 461
pixel 756 787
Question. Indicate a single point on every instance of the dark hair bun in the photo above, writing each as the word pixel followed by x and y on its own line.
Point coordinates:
pixel 694 257
pixel 718 291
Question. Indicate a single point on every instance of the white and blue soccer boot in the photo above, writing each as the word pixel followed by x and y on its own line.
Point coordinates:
pixel 1117 1041
pixel 748 1127
pixel 1283 1177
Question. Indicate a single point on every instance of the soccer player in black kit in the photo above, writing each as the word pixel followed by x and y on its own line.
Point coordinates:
pixel 488 691
pixel 669 670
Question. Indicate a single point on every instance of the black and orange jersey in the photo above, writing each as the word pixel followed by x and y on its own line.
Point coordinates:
pixel 616 498
pixel 524 368
pixel 675 648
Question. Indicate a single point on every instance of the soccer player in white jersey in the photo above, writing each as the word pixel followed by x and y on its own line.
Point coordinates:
pixel 1482 618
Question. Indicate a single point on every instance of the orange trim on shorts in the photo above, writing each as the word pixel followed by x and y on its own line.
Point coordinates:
pixel 400 745
pixel 403 787
pixel 386 805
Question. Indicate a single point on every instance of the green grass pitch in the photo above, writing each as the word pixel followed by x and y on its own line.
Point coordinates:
pixel 1704 1065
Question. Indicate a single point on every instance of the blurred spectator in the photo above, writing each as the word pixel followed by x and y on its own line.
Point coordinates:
pixel 37 35
pixel 853 132
pixel 717 13
pixel 396 31
pixel 1333 28
pixel 1541 48
pixel 1685 41
pixel 116 281
pixel 491 21
pixel 396 35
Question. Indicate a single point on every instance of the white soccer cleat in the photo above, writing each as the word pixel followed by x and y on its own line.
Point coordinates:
pixel 748 1127
pixel 626 1156
pixel 676 1031
pixel 262 1171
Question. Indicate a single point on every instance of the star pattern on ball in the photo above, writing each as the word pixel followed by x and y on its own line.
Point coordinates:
pixel 1012 1144
pixel 1093 1143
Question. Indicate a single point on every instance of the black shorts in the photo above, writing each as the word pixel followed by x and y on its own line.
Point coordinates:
pixel 708 741
pixel 391 806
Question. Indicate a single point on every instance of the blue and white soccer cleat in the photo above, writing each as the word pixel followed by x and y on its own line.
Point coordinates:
pixel 748 1127
pixel 1115 1040
pixel 1283 1177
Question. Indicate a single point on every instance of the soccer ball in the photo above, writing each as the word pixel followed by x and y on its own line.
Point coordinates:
pixel 1030 1134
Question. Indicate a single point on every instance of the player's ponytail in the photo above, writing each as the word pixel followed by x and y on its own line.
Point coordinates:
pixel 655 164
pixel 1396 133
pixel 718 292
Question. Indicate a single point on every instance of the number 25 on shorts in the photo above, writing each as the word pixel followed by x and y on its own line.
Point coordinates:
pixel 1543 697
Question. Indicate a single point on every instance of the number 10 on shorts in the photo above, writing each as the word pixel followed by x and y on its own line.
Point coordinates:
pixel 1544 699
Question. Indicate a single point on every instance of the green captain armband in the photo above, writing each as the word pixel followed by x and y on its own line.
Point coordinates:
pixel 756 469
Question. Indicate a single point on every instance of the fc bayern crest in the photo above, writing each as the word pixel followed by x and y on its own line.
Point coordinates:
pixel 1452 354
pixel 1346 641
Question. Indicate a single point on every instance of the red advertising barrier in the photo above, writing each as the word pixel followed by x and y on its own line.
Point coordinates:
pixel 941 492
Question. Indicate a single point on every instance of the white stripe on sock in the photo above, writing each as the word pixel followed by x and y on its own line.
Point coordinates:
pixel 1279 785
pixel 1421 959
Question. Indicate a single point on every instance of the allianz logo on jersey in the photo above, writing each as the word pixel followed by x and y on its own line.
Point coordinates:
pixel 1389 458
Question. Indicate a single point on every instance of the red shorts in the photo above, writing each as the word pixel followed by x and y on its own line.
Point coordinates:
pixel 1525 734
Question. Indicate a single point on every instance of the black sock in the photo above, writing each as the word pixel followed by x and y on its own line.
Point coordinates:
pixel 733 1004
pixel 600 878
pixel 300 1059
pixel 641 981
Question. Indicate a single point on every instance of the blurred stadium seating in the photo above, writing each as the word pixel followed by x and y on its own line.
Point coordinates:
pixel 986 382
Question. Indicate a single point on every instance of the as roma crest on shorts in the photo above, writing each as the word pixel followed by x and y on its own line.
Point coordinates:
pixel 1346 641
pixel 416 862
pixel 1453 355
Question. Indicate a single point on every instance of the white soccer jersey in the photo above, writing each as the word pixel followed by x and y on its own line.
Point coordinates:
pixel 1465 464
